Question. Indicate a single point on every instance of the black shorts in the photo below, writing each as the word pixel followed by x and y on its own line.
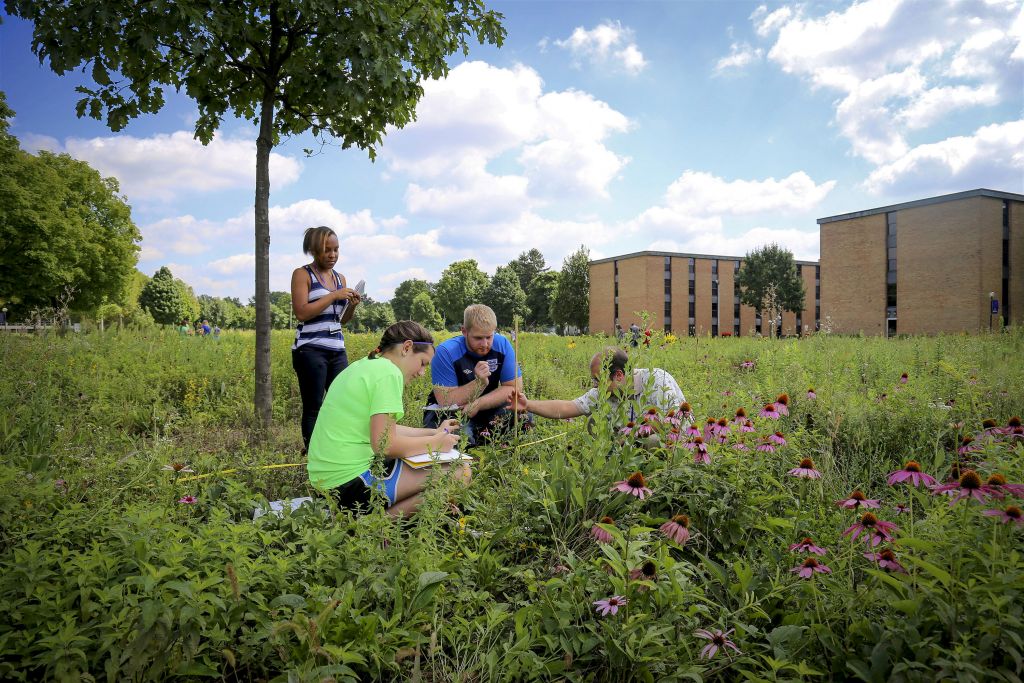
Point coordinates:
pixel 356 495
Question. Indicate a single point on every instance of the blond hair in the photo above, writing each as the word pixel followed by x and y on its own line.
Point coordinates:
pixel 480 317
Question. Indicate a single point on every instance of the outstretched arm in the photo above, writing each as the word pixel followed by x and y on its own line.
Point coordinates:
pixel 557 410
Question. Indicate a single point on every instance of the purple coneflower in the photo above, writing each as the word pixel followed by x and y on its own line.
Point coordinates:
pixel 968 486
pixel 628 429
pixel 911 471
pixel 721 427
pixel 691 430
pixel 740 446
pixel 766 446
pixel 177 467
pixel 645 572
pixel 677 529
pixel 610 605
pixel 904 378
pixel 700 451
pixel 886 559
pixel 782 404
pixel 709 428
pixel 875 530
pixel 747 365
pixel 858 500
pixel 778 438
pixel 900 508
pixel 1009 514
pixel 188 500
pixel 967 445
pixel 748 426
pixel 601 535
pixel 686 410
pixel 805 470
pixel 741 416
pixel 997 487
pixel 808 567
pixel 807 546
pixel 645 429
pixel 811 394
pixel 635 485
pixel 719 641
pixel 990 429
pixel 769 411
pixel 674 435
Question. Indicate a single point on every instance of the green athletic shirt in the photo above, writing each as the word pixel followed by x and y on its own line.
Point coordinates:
pixel 339 450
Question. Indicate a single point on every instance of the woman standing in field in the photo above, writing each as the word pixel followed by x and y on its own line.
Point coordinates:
pixel 359 419
pixel 322 303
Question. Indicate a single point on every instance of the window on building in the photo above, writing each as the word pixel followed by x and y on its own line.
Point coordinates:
pixel 890 273
pixel 1005 303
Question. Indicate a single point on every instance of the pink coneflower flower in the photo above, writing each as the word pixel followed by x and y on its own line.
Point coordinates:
pixel 601 535
pixel 740 446
pixel 645 429
pixel 686 410
pixel 719 641
pixel 188 500
pixel 769 411
pixel 709 428
pixel 807 546
pixel 990 429
pixel 808 567
pixel 900 508
pixel 628 429
pixel 766 446
pixel 858 500
pixel 610 605
pixel 778 438
pixel 886 559
pixel 782 404
pixel 968 486
pixel 674 435
pixel 645 572
pixel 811 394
pixel 748 426
pixel 805 470
pixel 700 451
pixel 911 471
pixel 904 378
pixel 677 529
pixel 875 530
pixel 997 487
pixel 177 467
pixel 1009 514
pixel 720 427
pixel 967 445
pixel 635 485
pixel 691 430
pixel 672 418
pixel 747 365
pixel 741 416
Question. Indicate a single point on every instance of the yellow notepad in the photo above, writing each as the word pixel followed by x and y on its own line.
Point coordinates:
pixel 427 459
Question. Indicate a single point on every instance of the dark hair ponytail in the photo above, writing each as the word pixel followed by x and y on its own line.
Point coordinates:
pixel 314 240
pixel 402 331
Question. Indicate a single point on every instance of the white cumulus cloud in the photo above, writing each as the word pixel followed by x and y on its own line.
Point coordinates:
pixel 166 166
pixel 608 43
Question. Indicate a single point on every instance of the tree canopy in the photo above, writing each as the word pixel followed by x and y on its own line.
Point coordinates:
pixel 423 312
pixel 505 297
pixel 570 303
pixel 538 299
pixel 63 226
pixel 769 281
pixel 527 266
pixel 405 293
pixel 168 299
pixel 462 283
pixel 291 66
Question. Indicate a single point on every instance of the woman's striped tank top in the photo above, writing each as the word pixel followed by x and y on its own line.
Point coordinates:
pixel 322 331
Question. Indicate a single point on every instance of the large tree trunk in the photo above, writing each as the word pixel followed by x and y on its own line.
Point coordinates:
pixel 264 143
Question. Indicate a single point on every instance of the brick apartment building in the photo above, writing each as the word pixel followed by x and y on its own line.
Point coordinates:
pixel 685 294
pixel 926 266
pixel 921 267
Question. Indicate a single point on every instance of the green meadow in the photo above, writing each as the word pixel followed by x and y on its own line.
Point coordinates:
pixel 542 569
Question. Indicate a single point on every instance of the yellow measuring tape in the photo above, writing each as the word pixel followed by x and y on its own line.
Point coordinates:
pixel 300 464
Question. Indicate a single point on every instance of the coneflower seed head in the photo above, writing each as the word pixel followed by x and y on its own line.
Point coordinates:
pixel 807 464
pixel 970 480
pixel 912 466
pixel 996 480
pixel 636 480
pixel 868 520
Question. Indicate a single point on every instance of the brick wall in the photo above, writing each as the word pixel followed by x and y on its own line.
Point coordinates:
pixel 853 264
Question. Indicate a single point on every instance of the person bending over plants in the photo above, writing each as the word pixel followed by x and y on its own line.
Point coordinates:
pixel 359 422
pixel 629 393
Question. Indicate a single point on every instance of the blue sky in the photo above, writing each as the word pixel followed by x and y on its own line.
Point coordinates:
pixel 707 127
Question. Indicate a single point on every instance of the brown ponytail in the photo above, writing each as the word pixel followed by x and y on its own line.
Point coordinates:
pixel 400 332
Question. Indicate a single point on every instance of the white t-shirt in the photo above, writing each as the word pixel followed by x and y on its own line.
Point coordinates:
pixel 653 387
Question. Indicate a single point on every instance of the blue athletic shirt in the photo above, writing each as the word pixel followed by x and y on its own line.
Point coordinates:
pixel 322 331
pixel 453 365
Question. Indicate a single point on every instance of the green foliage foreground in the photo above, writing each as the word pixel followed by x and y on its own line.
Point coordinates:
pixel 105 575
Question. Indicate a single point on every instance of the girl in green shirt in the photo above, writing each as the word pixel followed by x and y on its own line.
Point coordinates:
pixel 359 417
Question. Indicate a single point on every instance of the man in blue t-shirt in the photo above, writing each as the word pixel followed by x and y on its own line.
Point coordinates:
pixel 475 373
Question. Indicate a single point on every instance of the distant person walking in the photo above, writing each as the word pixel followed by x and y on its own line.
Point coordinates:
pixel 322 303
